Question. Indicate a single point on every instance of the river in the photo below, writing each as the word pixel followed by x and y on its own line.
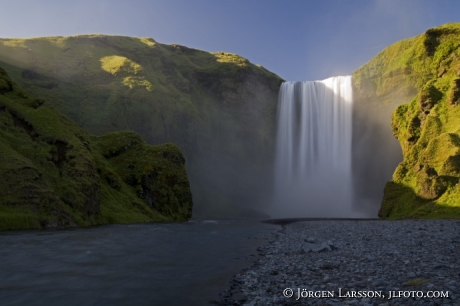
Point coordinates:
pixel 186 263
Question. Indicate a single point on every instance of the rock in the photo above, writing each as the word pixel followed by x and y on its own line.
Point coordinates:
pixel 357 264
pixel 309 246
pixel 324 247
pixel 315 247
pixel 240 297
pixel 331 245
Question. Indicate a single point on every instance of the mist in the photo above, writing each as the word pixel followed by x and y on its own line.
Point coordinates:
pixel 350 180
pixel 231 162
pixel 376 154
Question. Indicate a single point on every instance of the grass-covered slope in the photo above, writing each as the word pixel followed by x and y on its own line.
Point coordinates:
pixel 53 173
pixel 218 107
pixel 422 72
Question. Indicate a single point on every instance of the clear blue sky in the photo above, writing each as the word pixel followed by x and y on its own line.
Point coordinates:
pixel 296 39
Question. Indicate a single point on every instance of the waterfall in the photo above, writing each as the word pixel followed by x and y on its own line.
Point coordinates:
pixel 313 149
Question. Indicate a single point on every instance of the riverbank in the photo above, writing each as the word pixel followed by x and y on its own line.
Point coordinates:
pixel 354 262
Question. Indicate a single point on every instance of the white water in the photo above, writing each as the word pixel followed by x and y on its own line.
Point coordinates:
pixel 313 149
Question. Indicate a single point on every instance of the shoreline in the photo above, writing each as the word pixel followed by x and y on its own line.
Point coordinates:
pixel 376 262
pixel 286 221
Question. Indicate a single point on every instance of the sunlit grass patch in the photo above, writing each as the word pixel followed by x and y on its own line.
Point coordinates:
pixel 225 57
pixel 115 64
pixel 133 82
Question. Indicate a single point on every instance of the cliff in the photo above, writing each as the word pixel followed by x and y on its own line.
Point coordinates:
pixel 217 107
pixel 420 78
pixel 55 174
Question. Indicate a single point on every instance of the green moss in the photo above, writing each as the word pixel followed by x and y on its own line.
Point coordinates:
pixel 425 184
pixel 156 174
pixel 56 174
pixel 400 70
pixel 203 102
pixel 399 201
pixel 16 218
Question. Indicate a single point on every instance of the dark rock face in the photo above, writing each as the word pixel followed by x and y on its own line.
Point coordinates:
pixel 431 184
pixel 30 74
pixel 428 97
pixel 454 98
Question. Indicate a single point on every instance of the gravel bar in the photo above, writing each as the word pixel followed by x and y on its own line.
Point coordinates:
pixel 354 262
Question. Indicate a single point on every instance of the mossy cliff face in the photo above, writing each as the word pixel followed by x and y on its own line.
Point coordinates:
pixel 56 174
pixel 422 72
pixel 218 107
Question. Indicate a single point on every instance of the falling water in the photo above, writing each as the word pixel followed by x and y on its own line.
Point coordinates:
pixel 313 149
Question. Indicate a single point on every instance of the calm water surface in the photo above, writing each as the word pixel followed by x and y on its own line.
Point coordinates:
pixel 144 264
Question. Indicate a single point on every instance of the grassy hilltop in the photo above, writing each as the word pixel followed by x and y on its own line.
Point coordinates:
pixel 217 107
pixel 422 76
pixel 56 174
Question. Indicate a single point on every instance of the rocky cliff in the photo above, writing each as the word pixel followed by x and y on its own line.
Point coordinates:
pixel 55 174
pixel 217 107
pixel 420 78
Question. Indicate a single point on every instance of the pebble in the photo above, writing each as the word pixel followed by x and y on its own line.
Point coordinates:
pixel 321 257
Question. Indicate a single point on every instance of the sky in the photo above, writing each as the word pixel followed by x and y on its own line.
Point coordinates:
pixel 296 39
